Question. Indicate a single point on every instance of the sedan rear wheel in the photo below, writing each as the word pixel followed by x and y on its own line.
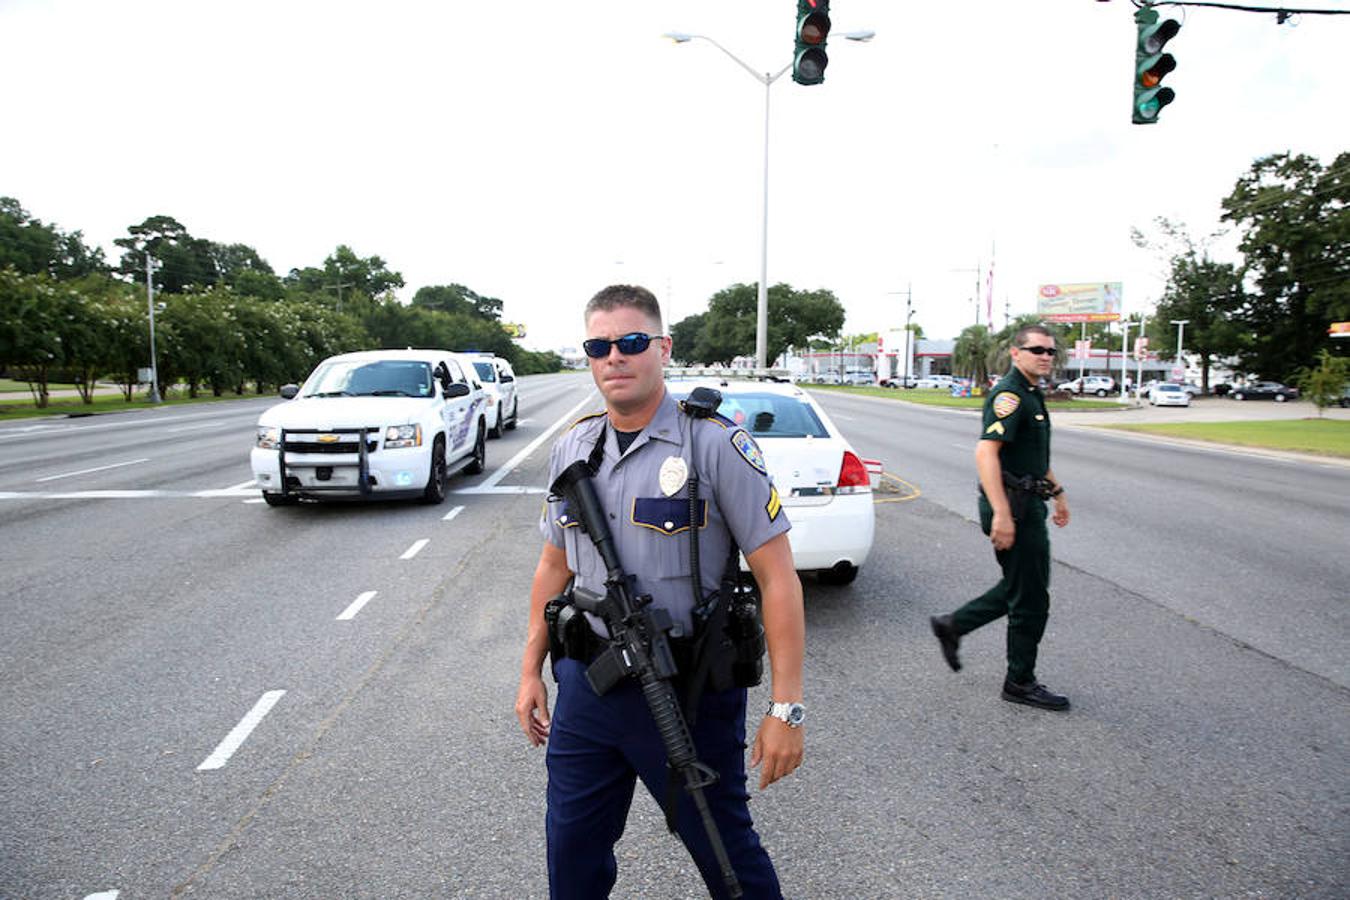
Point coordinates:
pixel 515 415
pixel 1239 396
pixel 496 430
pixel 841 574
pixel 1280 398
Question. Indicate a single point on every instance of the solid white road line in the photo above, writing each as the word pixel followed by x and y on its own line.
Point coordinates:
pixel 197 427
pixel 130 462
pixel 451 514
pixel 416 548
pixel 103 895
pixel 495 478
pixel 355 607
pixel 235 739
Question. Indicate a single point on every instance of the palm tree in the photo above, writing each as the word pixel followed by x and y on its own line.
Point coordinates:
pixel 970 356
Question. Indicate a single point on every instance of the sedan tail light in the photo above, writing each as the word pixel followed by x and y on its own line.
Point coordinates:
pixel 853 477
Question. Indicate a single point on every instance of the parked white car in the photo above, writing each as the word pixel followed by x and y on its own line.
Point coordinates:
pixel 1169 393
pixel 499 381
pixel 1101 385
pixel 939 382
pixel 375 423
pixel 822 482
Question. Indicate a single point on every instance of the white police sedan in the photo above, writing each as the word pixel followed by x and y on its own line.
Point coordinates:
pixel 822 482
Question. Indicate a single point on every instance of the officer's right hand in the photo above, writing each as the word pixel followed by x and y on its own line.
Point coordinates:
pixel 532 708
pixel 1002 531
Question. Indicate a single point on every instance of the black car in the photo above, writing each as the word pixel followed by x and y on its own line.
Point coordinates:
pixel 1265 390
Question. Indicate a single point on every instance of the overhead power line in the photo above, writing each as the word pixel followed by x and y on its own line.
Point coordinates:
pixel 1280 12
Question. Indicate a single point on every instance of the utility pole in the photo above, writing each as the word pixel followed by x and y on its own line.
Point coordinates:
pixel 909 334
pixel 340 285
pixel 150 304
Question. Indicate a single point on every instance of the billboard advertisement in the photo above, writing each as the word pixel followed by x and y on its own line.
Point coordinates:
pixel 1096 302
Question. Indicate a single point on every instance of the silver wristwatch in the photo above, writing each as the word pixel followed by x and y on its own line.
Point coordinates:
pixel 794 714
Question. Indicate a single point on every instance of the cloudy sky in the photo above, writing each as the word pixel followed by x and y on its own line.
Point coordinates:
pixel 536 151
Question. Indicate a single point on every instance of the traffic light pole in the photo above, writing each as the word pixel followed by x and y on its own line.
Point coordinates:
pixel 762 306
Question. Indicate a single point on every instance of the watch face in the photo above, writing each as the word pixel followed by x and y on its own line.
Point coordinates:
pixel 796 714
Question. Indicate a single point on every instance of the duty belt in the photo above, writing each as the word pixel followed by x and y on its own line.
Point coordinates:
pixel 1040 487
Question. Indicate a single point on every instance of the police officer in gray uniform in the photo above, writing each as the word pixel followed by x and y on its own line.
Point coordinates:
pixel 599 745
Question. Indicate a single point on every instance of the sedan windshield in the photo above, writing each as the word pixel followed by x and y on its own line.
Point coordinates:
pixel 382 378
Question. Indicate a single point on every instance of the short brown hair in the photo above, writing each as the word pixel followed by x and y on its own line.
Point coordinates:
pixel 1020 338
pixel 625 296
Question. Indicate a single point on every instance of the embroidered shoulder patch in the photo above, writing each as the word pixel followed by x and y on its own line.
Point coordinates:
pixel 1006 403
pixel 745 445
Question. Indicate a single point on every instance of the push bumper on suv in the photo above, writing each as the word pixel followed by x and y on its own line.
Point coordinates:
pixel 338 461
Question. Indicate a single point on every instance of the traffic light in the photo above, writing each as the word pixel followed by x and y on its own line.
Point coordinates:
pixel 1151 65
pixel 813 27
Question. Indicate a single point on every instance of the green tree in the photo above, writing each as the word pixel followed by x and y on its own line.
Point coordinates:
pixel 31 316
pixel 972 353
pixel 182 261
pixel 32 247
pixel 795 317
pixel 685 336
pixel 344 274
pixel 1324 384
pixel 1201 291
pixel 446 298
pixel 1294 216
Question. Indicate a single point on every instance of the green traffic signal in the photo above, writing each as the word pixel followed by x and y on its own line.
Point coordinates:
pixel 813 28
pixel 1151 65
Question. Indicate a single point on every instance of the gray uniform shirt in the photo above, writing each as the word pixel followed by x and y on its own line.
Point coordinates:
pixel 651 528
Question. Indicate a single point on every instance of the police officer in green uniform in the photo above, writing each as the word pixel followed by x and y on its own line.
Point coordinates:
pixel 1013 460
pixel 644 449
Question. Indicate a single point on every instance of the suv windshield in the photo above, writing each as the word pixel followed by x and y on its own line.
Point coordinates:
pixel 485 371
pixel 381 378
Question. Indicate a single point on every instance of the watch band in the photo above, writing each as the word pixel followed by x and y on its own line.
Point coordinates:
pixel 792 713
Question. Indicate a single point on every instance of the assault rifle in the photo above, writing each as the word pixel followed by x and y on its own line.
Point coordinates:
pixel 639 646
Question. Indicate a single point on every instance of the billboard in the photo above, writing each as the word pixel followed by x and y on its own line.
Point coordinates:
pixel 1096 302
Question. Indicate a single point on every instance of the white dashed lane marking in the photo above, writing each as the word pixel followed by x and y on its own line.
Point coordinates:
pixel 355 607
pixel 416 548
pixel 452 513
pixel 130 462
pixel 235 739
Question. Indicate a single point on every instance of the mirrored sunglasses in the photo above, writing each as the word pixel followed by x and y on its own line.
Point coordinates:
pixel 1039 351
pixel 629 345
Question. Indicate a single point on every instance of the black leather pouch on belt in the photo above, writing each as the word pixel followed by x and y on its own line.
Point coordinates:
pixel 1020 489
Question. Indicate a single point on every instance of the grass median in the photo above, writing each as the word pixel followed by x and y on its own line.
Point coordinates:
pixel 74 406
pixel 941 397
pixel 1323 437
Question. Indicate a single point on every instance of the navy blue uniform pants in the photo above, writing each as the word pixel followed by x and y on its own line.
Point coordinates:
pixel 599 746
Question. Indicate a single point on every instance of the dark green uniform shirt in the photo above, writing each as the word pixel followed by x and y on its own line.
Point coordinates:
pixel 1014 413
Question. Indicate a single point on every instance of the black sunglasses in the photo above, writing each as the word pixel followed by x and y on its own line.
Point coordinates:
pixel 1039 351
pixel 629 345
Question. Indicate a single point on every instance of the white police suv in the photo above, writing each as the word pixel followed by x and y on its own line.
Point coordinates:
pixel 499 380
pixel 380 423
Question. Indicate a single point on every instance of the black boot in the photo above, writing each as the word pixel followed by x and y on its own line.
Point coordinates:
pixel 948 638
pixel 1034 694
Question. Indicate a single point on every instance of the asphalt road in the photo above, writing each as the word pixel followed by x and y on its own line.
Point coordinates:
pixel 151 604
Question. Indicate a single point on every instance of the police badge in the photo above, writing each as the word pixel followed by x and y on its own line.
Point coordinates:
pixel 673 475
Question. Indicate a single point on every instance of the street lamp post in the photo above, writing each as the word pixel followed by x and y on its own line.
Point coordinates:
pixel 1181 330
pixel 762 306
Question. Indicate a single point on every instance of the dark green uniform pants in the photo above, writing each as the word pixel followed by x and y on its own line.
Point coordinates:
pixel 1022 595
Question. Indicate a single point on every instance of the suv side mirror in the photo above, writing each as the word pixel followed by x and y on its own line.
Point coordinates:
pixel 458 389
pixel 507 376
pixel 288 391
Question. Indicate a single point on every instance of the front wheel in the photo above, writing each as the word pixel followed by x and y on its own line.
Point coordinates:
pixel 1280 398
pixel 1101 392
pixel 1239 396
pixel 479 462
pixel 435 490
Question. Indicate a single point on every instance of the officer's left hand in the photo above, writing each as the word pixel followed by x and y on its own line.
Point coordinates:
pixel 779 748
pixel 1061 514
